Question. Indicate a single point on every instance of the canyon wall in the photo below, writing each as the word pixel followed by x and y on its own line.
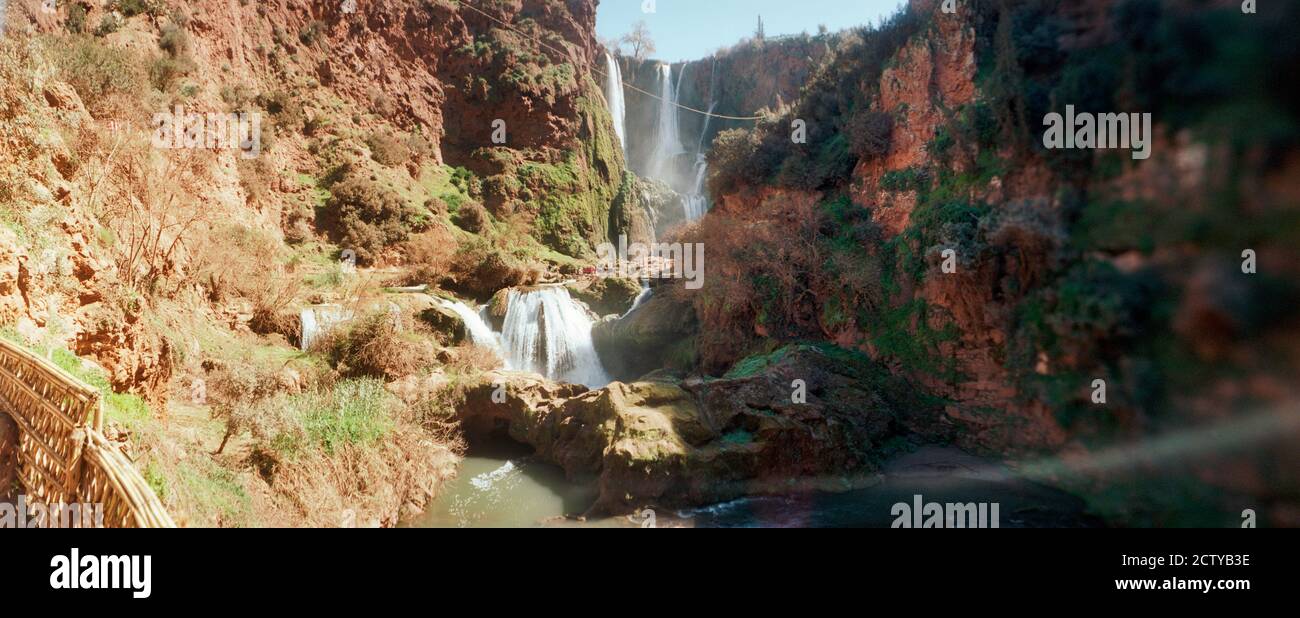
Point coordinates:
pixel 1008 279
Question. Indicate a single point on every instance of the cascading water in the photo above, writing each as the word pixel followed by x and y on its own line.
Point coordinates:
pixel 479 331
pixel 646 293
pixel 695 202
pixel 548 333
pixel 668 144
pixel 319 319
pixel 614 96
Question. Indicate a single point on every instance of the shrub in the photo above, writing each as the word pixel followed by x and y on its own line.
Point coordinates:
pixel 429 255
pixel 101 75
pixel 284 106
pixel 380 345
pixel 740 157
pixel 131 8
pixel 388 149
pixel 164 71
pixel 109 24
pixel 312 32
pixel 235 389
pixel 471 217
pixel 908 179
pixel 174 40
pixel 870 132
pixel 367 216
pixel 76 21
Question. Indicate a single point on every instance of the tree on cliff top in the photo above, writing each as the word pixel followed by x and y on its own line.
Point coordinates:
pixel 639 40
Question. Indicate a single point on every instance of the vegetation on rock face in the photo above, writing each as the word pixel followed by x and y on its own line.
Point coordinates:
pixel 1060 278
pixel 184 271
pixel 835 110
pixel 369 215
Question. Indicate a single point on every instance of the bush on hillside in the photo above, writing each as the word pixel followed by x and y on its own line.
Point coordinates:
pixel 380 345
pixel 388 148
pixel 105 78
pixel 869 133
pixel 471 217
pixel 131 8
pixel 368 217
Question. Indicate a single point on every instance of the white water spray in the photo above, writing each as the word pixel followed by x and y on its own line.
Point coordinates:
pixel 614 97
pixel 548 333
pixel 668 144
pixel 645 295
pixel 479 331
pixel 316 321
pixel 695 202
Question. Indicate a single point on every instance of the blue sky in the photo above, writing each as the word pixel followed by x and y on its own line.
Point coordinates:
pixel 691 29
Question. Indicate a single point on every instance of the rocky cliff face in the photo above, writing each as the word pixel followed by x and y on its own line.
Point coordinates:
pixel 737 81
pixel 1065 268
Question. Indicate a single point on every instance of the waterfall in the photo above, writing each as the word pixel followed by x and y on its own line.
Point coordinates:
pixel 319 319
pixel 479 331
pixel 614 97
pixel 548 333
pixel 645 295
pixel 668 144
pixel 695 202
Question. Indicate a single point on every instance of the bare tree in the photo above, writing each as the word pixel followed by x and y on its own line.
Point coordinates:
pixel 639 40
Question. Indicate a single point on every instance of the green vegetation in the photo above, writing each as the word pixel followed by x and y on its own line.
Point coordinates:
pixel 128 410
pixel 351 413
pixel 102 76
pixel 841 129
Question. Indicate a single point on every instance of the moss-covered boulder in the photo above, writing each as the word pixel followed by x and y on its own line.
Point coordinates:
pixel 498 307
pixel 606 295
pixel 658 334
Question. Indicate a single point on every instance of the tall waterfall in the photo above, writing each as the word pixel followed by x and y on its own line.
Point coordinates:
pixel 668 143
pixel 614 96
pixel 547 332
pixel 696 202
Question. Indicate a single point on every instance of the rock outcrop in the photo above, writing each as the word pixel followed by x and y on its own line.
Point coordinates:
pixel 801 415
pixel 657 335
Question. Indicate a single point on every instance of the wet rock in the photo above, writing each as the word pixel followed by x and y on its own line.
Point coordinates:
pixel 448 326
pixel 683 443
pixel 648 339
pixel 606 295
pixel 498 307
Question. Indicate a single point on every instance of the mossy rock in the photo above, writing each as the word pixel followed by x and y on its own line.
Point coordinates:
pixel 606 296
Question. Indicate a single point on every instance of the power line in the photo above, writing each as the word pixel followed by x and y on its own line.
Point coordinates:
pixel 606 75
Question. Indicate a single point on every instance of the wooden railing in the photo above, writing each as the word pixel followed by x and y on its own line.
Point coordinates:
pixel 63 456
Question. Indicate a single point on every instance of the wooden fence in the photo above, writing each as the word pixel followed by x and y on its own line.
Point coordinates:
pixel 63 456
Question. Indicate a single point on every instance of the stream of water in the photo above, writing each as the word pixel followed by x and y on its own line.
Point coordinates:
pixel 614 96
pixel 502 485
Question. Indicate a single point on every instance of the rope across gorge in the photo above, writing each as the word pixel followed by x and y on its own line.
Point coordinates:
pixel 632 87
